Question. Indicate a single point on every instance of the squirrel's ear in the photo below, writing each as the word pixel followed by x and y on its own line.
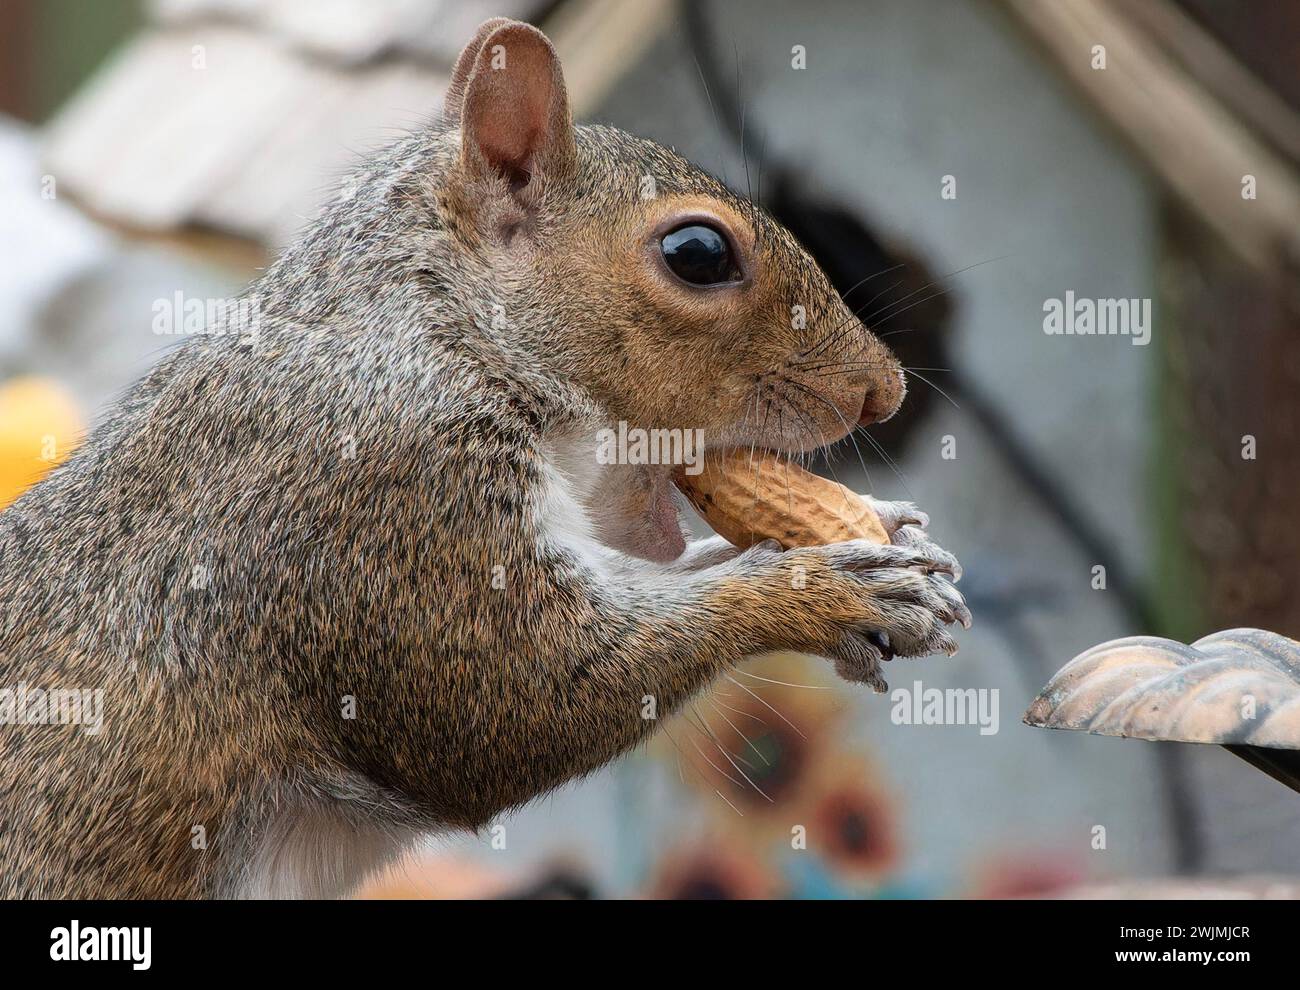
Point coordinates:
pixel 514 117
pixel 455 98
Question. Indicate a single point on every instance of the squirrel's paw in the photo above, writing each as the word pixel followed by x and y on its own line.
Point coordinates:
pixel 878 601
pixel 911 549
pixel 914 607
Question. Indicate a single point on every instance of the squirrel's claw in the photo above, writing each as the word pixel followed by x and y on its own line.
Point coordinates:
pixel 918 540
pixel 857 658
pixel 895 515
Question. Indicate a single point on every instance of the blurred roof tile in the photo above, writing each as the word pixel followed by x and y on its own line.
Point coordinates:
pixel 332 123
pixel 353 32
pixel 169 118
pixel 229 114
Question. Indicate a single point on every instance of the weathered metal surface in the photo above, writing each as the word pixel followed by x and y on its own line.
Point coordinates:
pixel 1240 687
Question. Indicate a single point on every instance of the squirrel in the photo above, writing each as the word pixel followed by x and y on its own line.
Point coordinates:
pixel 347 570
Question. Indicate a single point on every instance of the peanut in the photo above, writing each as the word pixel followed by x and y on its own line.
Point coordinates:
pixel 748 498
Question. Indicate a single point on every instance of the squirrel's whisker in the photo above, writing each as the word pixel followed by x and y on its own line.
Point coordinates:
pixel 914 374
pixel 861 282
pixel 772 680
pixel 886 310
pixel 888 460
pixel 765 704
pixel 826 402
pixel 705 757
pixel 738 711
pixel 854 317
pixel 698 771
pixel 736 729
pixel 717 126
pixel 728 756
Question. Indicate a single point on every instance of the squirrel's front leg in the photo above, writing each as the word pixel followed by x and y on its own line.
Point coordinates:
pixel 850 602
pixel 582 645
pixel 899 628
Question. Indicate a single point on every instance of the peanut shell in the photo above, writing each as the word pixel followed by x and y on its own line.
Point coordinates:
pixel 748 498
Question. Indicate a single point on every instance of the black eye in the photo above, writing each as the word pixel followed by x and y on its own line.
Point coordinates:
pixel 699 255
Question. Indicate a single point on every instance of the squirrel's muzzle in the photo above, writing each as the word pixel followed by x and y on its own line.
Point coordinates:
pixel 884 396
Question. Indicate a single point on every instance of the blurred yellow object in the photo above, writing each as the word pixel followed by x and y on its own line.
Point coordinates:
pixel 39 427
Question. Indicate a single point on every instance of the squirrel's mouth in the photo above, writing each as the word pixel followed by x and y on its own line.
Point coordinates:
pixel 642 515
pixel 664 520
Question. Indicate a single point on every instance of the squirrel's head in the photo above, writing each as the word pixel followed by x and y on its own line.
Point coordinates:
pixel 675 302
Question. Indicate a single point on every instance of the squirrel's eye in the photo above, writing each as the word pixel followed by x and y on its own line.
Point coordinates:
pixel 699 255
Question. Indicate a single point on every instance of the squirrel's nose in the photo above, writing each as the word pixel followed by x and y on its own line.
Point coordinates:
pixel 884 396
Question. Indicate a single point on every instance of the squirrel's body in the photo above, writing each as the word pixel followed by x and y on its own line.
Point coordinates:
pixel 349 573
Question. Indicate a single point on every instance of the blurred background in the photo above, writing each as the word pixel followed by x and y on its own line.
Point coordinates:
pixel 973 160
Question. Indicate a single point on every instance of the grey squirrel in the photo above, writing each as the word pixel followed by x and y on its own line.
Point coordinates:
pixel 354 574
